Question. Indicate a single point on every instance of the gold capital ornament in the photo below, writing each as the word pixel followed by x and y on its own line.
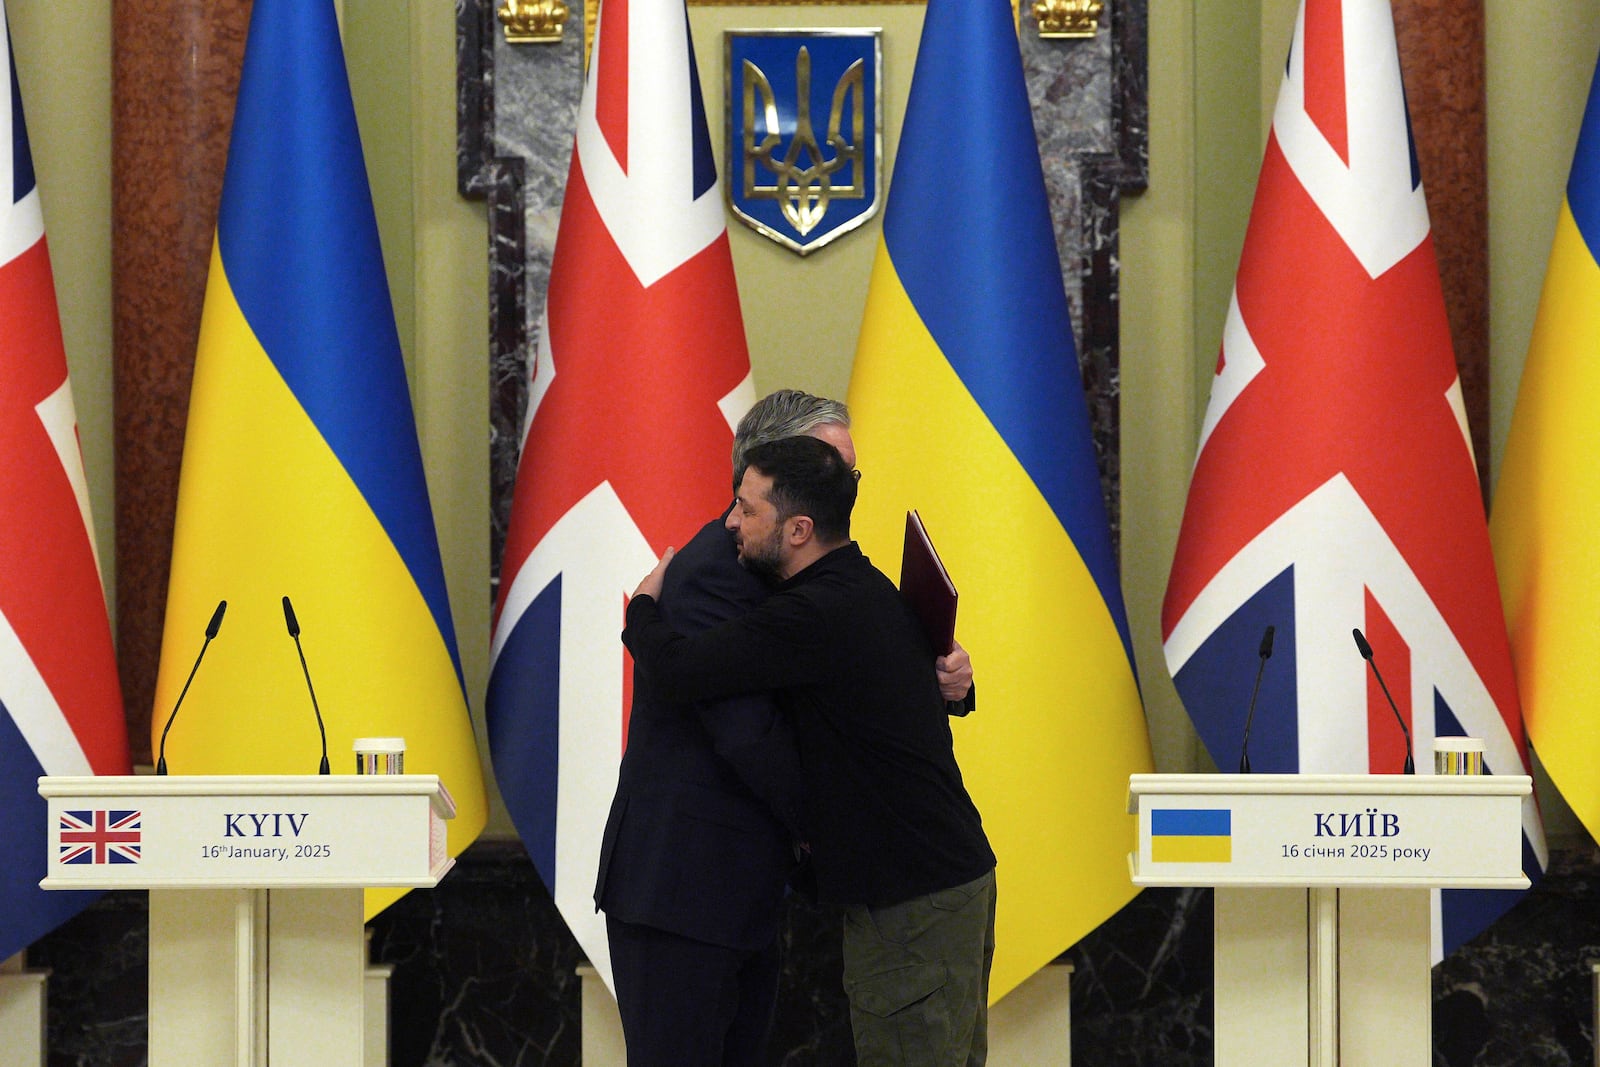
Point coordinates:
pixel 532 21
pixel 1068 18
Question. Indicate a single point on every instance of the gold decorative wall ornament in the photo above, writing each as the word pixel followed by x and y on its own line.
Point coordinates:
pixel 533 21
pixel 1068 18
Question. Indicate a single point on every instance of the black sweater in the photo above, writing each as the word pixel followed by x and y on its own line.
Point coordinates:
pixel 845 656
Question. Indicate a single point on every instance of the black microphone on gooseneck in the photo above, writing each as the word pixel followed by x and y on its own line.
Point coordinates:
pixel 1366 654
pixel 211 631
pixel 1266 654
pixel 294 632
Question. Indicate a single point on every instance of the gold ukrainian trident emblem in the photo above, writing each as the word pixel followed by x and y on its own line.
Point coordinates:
pixel 804 184
pixel 797 188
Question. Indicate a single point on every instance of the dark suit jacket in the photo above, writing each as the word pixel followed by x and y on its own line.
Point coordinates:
pixel 700 838
pixel 887 814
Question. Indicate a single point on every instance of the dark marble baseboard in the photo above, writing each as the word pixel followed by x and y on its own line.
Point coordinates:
pixel 99 970
pixel 484 976
pixel 1522 993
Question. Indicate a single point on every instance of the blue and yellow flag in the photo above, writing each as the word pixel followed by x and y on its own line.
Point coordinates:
pixel 1548 500
pixel 302 476
pixel 967 405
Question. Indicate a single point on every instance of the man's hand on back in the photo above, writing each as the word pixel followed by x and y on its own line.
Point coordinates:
pixel 651 586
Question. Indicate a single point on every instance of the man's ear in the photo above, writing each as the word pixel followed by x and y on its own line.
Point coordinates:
pixel 801 530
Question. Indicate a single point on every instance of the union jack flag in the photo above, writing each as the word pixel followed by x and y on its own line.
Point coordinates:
pixel 100 836
pixel 1335 486
pixel 60 703
pixel 641 373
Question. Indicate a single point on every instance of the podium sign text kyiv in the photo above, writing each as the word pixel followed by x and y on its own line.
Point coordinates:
pixel 1327 830
pixel 805 115
pixel 203 831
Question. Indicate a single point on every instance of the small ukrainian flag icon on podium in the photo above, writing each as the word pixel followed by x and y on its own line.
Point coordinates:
pixel 1191 835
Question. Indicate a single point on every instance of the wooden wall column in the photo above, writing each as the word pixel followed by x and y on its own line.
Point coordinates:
pixel 175 75
pixel 1442 55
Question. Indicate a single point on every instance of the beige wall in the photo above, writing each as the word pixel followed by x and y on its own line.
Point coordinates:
pixel 1161 351
pixel 64 68
pixel 401 55
pixel 1213 79
pixel 1214 73
pixel 1541 58
pixel 802 315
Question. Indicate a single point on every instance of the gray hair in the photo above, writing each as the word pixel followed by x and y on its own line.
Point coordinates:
pixel 785 413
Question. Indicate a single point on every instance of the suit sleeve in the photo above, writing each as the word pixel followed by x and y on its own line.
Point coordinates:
pixel 778 644
pixel 757 741
pixel 707 586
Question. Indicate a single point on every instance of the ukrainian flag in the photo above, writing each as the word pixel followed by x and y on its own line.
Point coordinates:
pixel 302 476
pixel 967 405
pixel 1191 835
pixel 1548 499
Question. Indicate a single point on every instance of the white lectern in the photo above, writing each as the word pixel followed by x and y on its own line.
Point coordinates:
pixel 256 919
pixel 1324 928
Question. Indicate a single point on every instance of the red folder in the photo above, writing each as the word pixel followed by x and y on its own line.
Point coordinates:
pixel 927 585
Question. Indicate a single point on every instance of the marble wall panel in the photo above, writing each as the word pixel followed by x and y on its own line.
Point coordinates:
pixel 516 110
pixel 1521 994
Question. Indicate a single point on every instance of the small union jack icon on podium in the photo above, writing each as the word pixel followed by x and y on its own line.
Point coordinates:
pixel 100 836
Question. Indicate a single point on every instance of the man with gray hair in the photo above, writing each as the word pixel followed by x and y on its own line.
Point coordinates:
pixel 705 827
pixel 790 413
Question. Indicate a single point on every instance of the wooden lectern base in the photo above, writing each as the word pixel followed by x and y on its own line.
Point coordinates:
pixel 1324 977
pixel 246 977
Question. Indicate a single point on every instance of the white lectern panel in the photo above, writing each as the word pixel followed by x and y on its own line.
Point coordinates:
pixel 200 831
pixel 1394 831
pixel 1323 928
pixel 256 946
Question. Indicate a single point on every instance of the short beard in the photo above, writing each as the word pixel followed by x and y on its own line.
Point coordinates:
pixel 767 559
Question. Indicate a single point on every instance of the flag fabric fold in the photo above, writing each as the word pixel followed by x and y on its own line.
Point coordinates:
pixel 642 371
pixel 967 404
pixel 302 475
pixel 60 702
pixel 1335 487
pixel 1548 497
